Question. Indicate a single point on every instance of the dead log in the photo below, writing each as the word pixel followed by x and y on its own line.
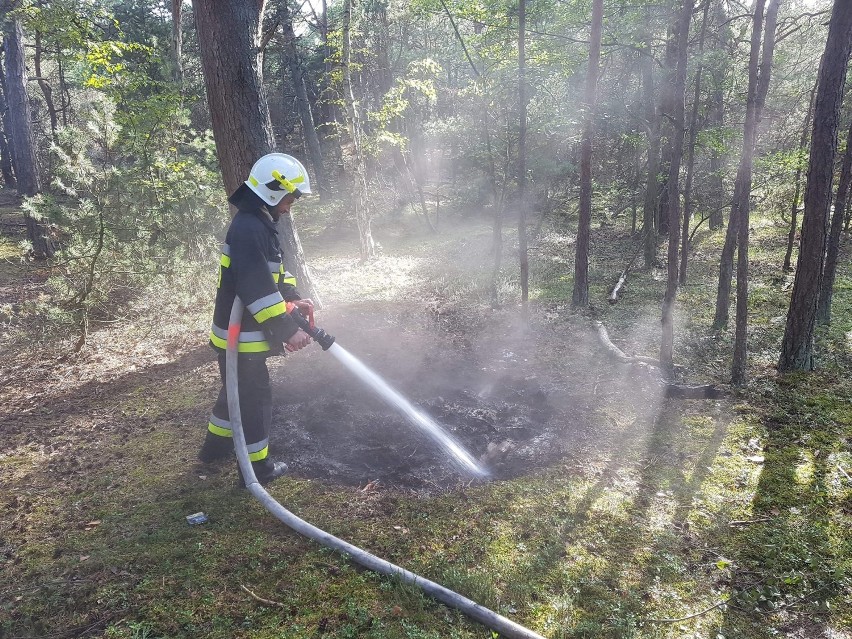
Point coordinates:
pixel 690 391
pixel 670 389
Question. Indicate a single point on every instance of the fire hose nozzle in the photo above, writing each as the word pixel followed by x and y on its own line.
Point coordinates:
pixel 319 336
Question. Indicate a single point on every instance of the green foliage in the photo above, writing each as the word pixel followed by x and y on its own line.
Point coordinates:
pixel 132 207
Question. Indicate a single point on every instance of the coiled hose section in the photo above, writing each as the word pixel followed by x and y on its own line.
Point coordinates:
pixel 506 627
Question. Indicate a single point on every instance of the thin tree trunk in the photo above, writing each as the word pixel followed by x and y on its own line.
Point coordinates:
pixel 794 207
pixel 309 130
pixel 716 117
pixel 177 42
pixel 797 347
pixel 46 89
pixel 294 258
pixel 690 151
pixel 328 102
pixel 362 214
pixel 739 363
pixel 667 132
pixel 848 218
pixel 580 295
pixel 64 93
pixel 830 269
pixel 677 91
pixel 646 62
pixel 522 154
pixel 742 193
pixel 6 137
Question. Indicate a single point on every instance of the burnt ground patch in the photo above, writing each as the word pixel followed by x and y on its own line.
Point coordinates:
pixel 517 398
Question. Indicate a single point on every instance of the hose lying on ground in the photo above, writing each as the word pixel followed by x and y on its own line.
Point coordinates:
pixel 506 627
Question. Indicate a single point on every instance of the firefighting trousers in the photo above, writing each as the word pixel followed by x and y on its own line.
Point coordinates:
pixel 255 405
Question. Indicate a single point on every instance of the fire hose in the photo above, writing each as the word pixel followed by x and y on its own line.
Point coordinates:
pixel 506 627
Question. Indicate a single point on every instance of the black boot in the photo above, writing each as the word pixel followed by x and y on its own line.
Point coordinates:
pixel 266 471
pixel 215 448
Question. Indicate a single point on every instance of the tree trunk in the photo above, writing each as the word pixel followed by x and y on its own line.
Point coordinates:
pixel 328 102
pixel 20 120
pixel 64 92
pixel 646 62
pixel 667 131
pixel 294 259
pixel 228 39
pixel 690 151
pixel 794 207
pixel 228 36
pixel 362 214
pixel 522 155
pixel 177 42
pixel 677 90
pixel 6 138
pixel 738 366
pixel 46 89
pixel 716 117
pixel 742 184
pixel 830 269
pixel 309 130
pixel 580 295
pixel 797 352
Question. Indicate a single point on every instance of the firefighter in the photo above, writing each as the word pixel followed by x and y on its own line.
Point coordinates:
pixel 251 266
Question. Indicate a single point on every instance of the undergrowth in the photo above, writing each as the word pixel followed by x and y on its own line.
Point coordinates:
pixel 703 518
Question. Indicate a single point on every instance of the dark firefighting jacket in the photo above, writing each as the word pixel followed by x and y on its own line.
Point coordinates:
pixel 251 266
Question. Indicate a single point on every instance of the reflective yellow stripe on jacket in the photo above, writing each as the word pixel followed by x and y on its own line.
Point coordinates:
pixel 250 341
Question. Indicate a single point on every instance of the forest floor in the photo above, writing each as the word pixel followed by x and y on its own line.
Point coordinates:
pixel 610 511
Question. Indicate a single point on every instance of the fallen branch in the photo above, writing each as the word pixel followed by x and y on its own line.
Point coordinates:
pixel 693 616
pixel 845 474
pixel 681 391
pixel 748 522
pixel 693 391
pixel 618 354
pixel 613 296
pixel 268 602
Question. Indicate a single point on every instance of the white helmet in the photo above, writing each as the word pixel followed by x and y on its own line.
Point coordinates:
pixel 275 175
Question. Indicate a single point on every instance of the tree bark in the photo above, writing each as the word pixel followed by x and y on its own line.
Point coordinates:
pixel 294 63
pixel 6 138
pixel 362 214
pixel 177 42
pixel 228 38
pixel 20 119
pixel 738 365
pixel 46 89
pixel 522 156
pixel 646 62
pixel 677 90
pixel 716 117
pixel 580 295
pixel 794 207
pixel 690 150
pixel 797 347
pixel 742 185
pixel 23 148
pixel 667 130
pixel 830 269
